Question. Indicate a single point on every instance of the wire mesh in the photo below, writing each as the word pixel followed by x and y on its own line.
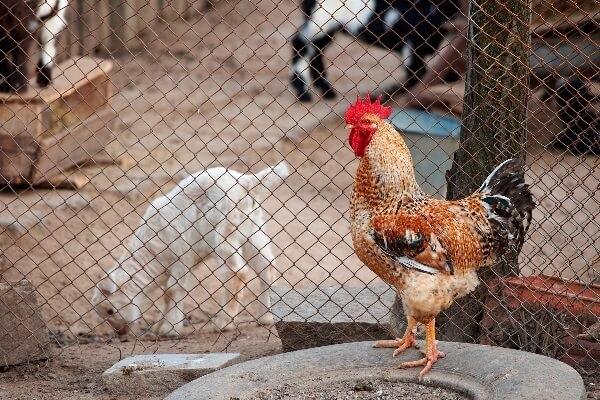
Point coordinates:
pixel 177 168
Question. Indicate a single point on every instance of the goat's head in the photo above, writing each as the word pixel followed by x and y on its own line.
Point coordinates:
pixel 114 304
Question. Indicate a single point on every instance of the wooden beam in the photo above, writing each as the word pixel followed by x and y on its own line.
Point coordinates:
pixel 45 132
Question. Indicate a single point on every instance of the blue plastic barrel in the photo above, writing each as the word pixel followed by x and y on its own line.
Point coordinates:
pixel 432 139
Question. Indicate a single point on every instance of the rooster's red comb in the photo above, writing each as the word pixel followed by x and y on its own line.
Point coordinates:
pixel 356 111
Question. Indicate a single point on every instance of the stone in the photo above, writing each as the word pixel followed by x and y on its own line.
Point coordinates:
pixel 156 374
pixel 319 316
pixel 480 372
pixel 24 335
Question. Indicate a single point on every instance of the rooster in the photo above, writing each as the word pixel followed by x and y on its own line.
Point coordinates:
pixel 428 249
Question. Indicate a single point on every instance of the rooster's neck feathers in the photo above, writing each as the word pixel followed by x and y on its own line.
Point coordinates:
pixel 386 174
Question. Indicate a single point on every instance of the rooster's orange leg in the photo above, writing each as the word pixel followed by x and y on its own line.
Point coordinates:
pixel 401 344
pixel 432 354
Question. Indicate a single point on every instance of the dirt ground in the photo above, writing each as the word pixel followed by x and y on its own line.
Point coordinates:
pixel 75 372
pixel 592 383
pixel 214 91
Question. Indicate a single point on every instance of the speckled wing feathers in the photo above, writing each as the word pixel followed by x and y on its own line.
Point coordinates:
pixel 453 234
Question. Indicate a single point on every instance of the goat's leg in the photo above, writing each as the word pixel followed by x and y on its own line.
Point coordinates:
pixel 232 285
pixel 317 68
pixel 264 297
pixel 164 304
pixel 47 54
pixel 307 58
pixel 17 80
pixel 6 66
pixel 415 69
pixel 229 309
pixel 248 274
pixel 48 34
pixel 301 51
pixel 260 267
pixel 173 317
pixel 421 46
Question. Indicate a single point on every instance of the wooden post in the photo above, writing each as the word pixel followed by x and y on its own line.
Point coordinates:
pixel 123 22
pixel 495 105
pixel 102 32
pixel 90 23
pixel 74 31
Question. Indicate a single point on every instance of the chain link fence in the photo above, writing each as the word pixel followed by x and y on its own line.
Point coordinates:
pixel 179 168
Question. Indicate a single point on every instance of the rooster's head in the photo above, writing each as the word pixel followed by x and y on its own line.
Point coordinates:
pixel 362 118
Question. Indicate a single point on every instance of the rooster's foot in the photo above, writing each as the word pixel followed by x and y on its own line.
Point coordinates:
pixel 432 354
pixel 404 343
pixel 399 344
pixel 426 361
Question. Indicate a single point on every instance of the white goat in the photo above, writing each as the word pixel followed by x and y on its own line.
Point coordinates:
pixel 214 213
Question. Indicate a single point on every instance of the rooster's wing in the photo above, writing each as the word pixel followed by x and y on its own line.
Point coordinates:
pixel 446 236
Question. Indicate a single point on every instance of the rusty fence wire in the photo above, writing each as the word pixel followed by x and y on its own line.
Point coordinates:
pixel 174 168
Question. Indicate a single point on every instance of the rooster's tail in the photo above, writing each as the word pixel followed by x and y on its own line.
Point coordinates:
pixel 509 203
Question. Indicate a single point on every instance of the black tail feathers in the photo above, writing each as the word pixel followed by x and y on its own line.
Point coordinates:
pixel 509 201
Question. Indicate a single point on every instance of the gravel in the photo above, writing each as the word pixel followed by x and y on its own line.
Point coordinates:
pixel 360 390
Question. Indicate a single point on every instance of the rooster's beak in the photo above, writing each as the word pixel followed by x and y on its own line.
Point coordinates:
pixel 349 127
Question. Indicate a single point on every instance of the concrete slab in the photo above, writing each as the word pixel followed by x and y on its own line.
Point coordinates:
pixel 479 372
pixel 320 316
pixel 161 373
